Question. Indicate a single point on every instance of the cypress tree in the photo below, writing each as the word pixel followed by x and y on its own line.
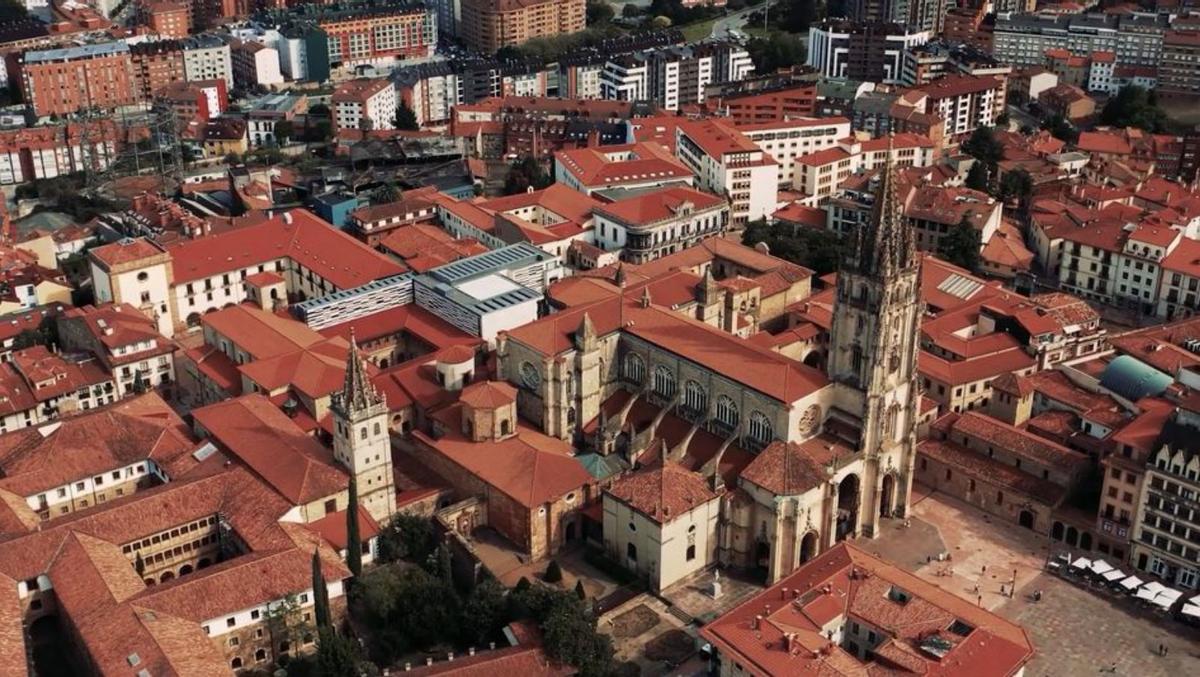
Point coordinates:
pixel 353 538
pixel 320 593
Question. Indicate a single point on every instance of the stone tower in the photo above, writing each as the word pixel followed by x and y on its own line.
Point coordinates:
pixel 587 365
pixel 873 354
pixel 361 441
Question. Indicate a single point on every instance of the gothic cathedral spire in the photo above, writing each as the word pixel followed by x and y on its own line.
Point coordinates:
pixel 873 349
pixel 361 440
pixel 885 245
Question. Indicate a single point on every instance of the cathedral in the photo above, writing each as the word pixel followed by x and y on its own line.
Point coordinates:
pixel 713 449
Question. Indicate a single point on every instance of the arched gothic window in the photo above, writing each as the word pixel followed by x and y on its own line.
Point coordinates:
pixel 635 368
pixel 694 397
pixel 664 381
pixel 727 412
pixel 760 427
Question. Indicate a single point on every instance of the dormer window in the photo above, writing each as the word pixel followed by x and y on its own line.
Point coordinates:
pixel 898 595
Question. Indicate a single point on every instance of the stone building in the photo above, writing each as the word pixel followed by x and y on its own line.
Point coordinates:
pixel 799 460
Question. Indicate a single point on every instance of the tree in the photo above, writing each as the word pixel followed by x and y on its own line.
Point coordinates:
pixel 579 591
pixel 335 655
pixel 599 13
pixel 631 11
pixel 777 50
pixel 1061 129
pixel 284 130
pixel 139 382
pixel 1002 120
pixel 570 636
pixel 319 110
pixel 1134 107
pixel 283 620
pixel 1017 185
pixel 320 594
pixel 406 119
pixel 139 564
pixel 407 537
pixel 524 174
pixel 445 565
pixel 984 146
pixel 661 22
pixel 484 612
pixel 816 249
pixel 388 192
pixel 553 572
pixel 977 177
pixel 522 585
pixel 961 246
pixel 353 535
pixel 798 15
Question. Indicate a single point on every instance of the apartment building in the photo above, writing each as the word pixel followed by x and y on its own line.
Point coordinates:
pixel 821 174
pixel 488 25
pixel 156 65
pixel 729 164
pixel 254 64
pixel 657 223
pixel 1136 38
pixel 673 76
pixel 869 52
pixel 67 80
pixel 964 103
pixel 1179 70
pixel 207 57
pixel 377 34
pixel 124 341
pixel 55 150
pixel 168 19
pixel 1167 525
pixel 789 140
pixel 365 104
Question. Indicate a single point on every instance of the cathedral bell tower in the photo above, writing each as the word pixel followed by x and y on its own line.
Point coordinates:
pixel 873 355
pixel 361 441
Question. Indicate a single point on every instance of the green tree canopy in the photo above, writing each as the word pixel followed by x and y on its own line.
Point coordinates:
pixel 984 146
pixel 961 246
pixel 777 50
pixel 407 537
pixel 1134 107
pixel 406 118
pixel 354 555
pixel 336 655
pixel 818 250
pixel 599 12
pixel 524 174
pixel 977 177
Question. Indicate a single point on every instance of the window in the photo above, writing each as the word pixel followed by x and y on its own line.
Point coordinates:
pixel 631 552
pixel 254 614
pixel 664 381
pixel 691 552
pixel 236 663
pixel 694 397
pixel 634 368
pixel 233 641
pixel 727 412
pixel 230 622
pixel 760 427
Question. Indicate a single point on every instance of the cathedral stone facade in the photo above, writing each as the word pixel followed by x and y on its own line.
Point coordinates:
pixel 801 459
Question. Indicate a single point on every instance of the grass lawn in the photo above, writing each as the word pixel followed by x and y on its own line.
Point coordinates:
pixel 698 30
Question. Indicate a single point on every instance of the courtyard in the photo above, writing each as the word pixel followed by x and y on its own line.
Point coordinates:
pixel 1076 632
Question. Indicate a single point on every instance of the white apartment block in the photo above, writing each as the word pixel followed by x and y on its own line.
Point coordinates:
pixel 256 65
pixel 357 101
pixel 819 175
pixel 729 164
pixel 673 76
pixel 788 140
pixel 207 58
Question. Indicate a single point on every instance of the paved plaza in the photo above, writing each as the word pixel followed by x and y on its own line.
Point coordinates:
pixel 1076 631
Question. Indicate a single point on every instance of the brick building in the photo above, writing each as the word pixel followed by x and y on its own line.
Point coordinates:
pixel 488 25
pixel 156 65
pixel 70 79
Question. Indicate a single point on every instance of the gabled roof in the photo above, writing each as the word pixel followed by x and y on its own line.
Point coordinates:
pixel 258 434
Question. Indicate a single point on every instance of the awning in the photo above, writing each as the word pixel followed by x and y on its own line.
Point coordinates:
pixel 1131 583
pixel 1170 595
pixel 1150 590
pixel 1082 563
pixel 1101 567
pixel 1191 610
pixel 1114 575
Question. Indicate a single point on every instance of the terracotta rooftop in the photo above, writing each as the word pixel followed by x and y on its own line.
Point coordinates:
pixel 669 203
pixel 619 165
pixel 307 241
pixel 259 333
pixel 1016 441
pixel 663 492
pixel 257 433
pixel 488 394
pixel 846 582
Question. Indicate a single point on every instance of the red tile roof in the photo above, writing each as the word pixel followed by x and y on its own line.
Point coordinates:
pixel 669 203
pixel 1016 441
pixel 529 467
pixel 664 492
pixel 488 394
pixel 265 439
pixel 847 582
pixel 307 241
pixel 260 333
pixel 332 527
pixel 636 163
pixel 125 251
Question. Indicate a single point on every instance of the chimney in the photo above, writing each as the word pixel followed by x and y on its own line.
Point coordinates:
pixel 428 661
pixel 450 656
pixel 471 651
pixel 408 667
pixel 757 620
pixel 492 645
pixel 785 593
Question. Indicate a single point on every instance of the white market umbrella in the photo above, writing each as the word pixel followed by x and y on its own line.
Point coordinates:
pixel 1170 595
pixel 1161 602
pixel 1131 583
pixel 1150 590
pixel 1191 610
pixel 1114 575
pixel 1081 563
pixel 1101 567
